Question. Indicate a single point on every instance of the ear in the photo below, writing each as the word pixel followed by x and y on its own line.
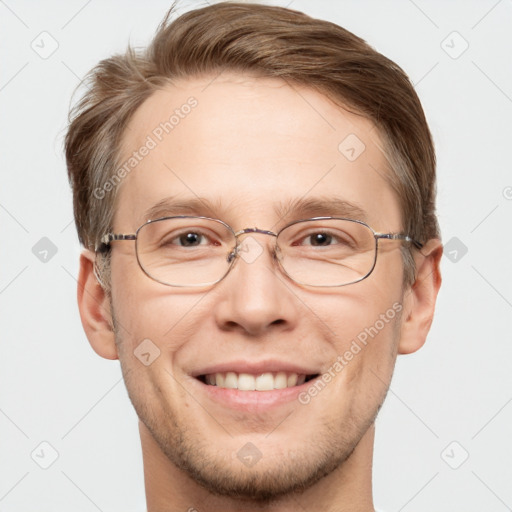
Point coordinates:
pixel 420 298
pixel 94 306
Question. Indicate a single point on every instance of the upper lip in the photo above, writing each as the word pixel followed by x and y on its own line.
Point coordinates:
pixel 255 368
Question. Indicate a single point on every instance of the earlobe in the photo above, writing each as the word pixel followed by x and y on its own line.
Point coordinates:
pixel 94 306
pixel 420 298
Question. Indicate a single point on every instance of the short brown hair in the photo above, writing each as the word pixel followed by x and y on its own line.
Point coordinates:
pixel 272 42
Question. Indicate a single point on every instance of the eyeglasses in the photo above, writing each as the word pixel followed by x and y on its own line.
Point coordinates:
pixel 189 251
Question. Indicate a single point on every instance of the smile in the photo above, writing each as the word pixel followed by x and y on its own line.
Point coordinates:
pixel 255 382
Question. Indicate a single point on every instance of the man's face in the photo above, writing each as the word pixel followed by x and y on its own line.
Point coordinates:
pixel 248 149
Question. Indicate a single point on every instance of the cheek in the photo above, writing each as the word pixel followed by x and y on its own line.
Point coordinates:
pixel 166 322
pixel 366 361
pixel 144 308
pixel 150 332
pixel 369 356
pixel 366 328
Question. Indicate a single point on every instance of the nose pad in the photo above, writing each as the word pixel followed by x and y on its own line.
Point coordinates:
pixel 233 254
pixel 276 252
pixel 236 252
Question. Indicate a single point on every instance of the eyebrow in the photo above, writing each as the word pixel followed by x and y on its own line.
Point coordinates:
pixel 170 206
pixel 294 209
pixel 323 206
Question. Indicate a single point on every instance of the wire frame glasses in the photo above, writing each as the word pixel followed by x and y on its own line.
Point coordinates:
pixel 188 251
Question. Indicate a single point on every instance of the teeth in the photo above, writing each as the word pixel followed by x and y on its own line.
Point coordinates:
pixel 292 379
pixel 246 382
pixel 280 380
pixel 218 379
pixel 231 381
pixel 263 382
pixel 249 382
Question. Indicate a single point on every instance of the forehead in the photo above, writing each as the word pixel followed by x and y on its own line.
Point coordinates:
pixel 251 147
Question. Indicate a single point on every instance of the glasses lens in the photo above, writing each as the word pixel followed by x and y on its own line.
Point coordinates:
pixel 187 251
pixel 329 252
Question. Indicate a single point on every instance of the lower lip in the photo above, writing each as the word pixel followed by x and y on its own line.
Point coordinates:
pixel 253 401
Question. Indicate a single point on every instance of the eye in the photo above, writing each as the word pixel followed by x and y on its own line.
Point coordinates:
pixel 325 239
pixel 187 239
pixel 320 239
pixel 190 239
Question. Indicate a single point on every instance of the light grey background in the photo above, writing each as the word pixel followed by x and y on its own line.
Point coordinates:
pixel 458 388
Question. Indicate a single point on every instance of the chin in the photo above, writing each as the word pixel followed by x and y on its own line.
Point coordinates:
pixel 270 473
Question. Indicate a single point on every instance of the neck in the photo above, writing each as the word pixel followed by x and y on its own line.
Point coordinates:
pixel 347 488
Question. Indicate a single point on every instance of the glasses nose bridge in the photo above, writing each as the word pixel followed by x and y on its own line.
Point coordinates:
pixel 236 250
pixel 254 230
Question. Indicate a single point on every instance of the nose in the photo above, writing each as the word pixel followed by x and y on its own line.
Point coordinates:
pixel 254 298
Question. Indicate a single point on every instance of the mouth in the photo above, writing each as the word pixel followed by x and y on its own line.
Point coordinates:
pixel 268 381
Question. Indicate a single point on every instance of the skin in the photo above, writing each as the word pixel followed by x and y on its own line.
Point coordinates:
pixel 249 144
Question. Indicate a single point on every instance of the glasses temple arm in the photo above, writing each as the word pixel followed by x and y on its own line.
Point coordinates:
pixel 395 236
pixel 105 240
